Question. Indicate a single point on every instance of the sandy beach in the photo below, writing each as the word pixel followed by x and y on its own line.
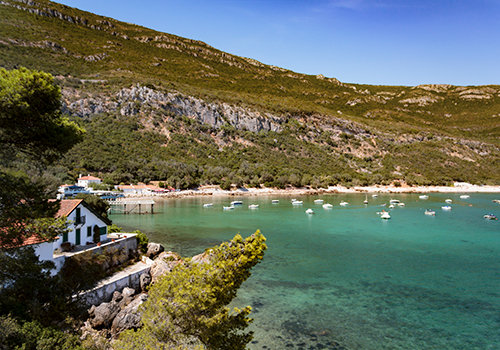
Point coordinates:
pixel 216 191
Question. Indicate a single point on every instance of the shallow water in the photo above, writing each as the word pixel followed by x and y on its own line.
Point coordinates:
pixel 344 278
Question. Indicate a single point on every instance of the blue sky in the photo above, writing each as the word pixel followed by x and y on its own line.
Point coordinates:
pixel 380 42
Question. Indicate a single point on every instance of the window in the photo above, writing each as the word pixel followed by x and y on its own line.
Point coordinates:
pixel 102 230
pixel 89 231
pixel 65 237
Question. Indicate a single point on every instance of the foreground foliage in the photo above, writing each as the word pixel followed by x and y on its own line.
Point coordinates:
pixel 188 309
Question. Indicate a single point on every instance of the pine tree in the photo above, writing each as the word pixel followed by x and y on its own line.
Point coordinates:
pixel 187 308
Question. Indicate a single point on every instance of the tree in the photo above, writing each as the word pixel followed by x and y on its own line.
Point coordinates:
pixel 31 129
pixel 30 115
pixel 187 308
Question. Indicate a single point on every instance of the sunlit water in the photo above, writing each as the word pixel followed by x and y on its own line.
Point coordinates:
pixel 344 278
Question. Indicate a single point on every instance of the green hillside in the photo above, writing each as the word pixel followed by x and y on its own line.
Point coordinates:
pixel 325 131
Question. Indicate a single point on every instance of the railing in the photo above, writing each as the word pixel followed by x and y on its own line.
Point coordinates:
pixel 79 220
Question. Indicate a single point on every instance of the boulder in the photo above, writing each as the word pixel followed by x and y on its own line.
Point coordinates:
pixel 154 249
pixel 128 317
pixel 104 314
pixel 164 263
pixel 145 281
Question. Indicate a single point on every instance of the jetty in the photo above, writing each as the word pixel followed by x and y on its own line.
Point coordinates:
pixel 142 206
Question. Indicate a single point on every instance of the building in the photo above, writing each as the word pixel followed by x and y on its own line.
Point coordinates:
pixel 140 189
pixel 85 181
pixel 84 222
pixel 69 191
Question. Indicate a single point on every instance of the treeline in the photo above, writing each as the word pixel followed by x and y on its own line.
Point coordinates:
pixel 183 153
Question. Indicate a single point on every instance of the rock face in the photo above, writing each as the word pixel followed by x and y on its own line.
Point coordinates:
pixel 131 101
pixel 145 281
pixel 154 249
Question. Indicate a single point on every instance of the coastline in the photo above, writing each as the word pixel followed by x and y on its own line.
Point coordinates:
pixel 216 191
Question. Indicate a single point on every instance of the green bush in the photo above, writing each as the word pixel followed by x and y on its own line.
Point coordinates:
pixel 142 241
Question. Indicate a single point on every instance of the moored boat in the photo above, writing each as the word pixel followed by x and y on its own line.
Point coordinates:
pixel 394 201
pixel 343 203
pixel 464 196
pixel 423 196
pixel 228 208
pixel 385 215
pixel 448 200
pixel 296 202
pixel 253 206
pixel 319 201
pixel 208 205
pixel 309 211
pixel 275 201
pixel 490 217
pixel 446 207
pixel 236 203
pixel 327 206
pixel 430 212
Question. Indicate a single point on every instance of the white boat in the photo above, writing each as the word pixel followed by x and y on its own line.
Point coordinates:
pixel 394 201
pixel 208 205
pixel 296 202
pixel 446 207
pixel 253 206
pixel 448 200
pixel 275 201
pixel 344 203
pixel 228 208
pixel 496 201
pixel 424 196
pixel 319 201
pixel 385 215
pixel 490 217
pixel 464 196
pixel 309 211
pixel 401 204
pixel 366 199
pixel 391 206
pixel 374 195
pixel 293 200
pixel 430 212
pixel 236 203
pixel 327 206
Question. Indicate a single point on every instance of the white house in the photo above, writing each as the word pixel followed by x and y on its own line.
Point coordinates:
pixel 84 222
pixel 140 189
pixel 85 181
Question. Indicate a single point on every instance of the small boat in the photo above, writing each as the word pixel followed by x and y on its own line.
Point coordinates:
pixel 394 201
pixel 490 217
pixel 448 200
pixel 385 215
pixel 430 212
pixel 228 208
pixel 366 200
pixel 253 206
pixel 236 203
pixel 309 211
pixel 275 201
pixel 464 196
pixel 391 206
pixel 401 204
pixel 208 205
pixel 319 201
pixel 374 195
pixel 496 201
pixel 293 200
pixel 296 202
pixel 344 203
pixel 424 196
pixel 327 206
pixel 446 207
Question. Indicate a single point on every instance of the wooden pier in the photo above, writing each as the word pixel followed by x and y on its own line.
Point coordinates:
pixel 128 207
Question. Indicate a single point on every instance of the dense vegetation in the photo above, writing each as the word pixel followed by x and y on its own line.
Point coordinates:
pixel 333 132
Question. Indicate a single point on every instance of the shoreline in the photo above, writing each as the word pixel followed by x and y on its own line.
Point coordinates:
pixel 216 191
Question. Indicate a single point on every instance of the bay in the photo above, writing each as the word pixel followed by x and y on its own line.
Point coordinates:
pixel 345 279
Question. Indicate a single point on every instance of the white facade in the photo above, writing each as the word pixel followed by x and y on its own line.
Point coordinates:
pixel 82 227
pixel 86 180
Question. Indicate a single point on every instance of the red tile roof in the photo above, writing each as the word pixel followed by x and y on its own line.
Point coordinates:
pixel 89 178
pixel 67 206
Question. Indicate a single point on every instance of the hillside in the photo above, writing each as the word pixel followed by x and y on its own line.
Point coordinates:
pixel 161 107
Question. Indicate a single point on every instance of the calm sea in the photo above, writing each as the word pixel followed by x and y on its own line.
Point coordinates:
pixel 344 278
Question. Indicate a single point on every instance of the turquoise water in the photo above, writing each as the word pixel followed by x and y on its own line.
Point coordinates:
pixel 344 278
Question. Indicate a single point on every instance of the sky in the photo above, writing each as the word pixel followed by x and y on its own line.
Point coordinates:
pixel 376 42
